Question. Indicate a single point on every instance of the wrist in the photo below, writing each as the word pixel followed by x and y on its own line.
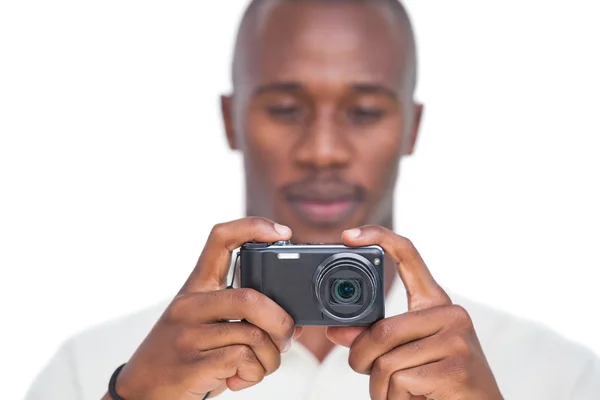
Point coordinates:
pixel 121 386
pixel 118 389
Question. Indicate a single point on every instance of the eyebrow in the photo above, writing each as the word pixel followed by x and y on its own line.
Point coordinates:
pixel 371 88
pixel 364 88
pixel 278 87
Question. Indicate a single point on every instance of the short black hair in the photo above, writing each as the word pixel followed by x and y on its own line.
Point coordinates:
pixel 396 6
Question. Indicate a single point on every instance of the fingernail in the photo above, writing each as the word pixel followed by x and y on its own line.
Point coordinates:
pixel 353 233
pixel 287 347
pixel 282 230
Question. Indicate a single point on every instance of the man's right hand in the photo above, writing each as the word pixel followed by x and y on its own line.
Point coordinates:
pixel 193 349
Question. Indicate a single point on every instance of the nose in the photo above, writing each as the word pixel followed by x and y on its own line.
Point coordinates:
pixel 323 144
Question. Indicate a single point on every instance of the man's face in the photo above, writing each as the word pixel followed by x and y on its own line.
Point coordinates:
pixel 322 114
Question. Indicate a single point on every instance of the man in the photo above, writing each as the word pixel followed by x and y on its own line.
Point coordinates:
pixel 322 111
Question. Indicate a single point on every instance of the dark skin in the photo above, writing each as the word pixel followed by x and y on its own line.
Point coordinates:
pixel 323 113
pixel 321 99
pixel 344 113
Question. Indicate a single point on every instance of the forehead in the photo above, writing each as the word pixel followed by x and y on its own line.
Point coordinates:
pixel 324 44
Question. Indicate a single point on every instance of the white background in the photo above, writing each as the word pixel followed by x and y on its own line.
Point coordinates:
pixel 114 166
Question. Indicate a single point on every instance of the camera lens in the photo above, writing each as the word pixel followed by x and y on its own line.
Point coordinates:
pixel 346 291
pixel 346 285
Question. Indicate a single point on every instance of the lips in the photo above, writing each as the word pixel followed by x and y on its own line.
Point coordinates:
pixel 329 202
pixel 324 211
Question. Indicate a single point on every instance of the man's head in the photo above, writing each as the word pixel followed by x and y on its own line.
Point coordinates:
pixel 323 111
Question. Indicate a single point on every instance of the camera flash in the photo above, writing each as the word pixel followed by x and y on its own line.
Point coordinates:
pixel 288 256
pixel 377 261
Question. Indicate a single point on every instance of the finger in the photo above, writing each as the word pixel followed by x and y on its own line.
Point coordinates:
pixel 410 355
pixel 235 383
pixel 226 362
pixel 237 304
pixel 213 264
pixel 422 290
pixel 344 335
pixel 389 333
pixel 430 380
pixel 218 335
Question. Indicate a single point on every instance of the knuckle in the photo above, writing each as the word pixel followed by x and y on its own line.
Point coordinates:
pixel 459 314
pixel 248 366
pixel 246 355
pixel 219 356
pixel 223 329
pixel 383 332
pixel 398 379
pixel 382 365
pixel 255 222
pixel 377 230
pixel 422 313
pixel 247 297
pixel 405 243
pixel 257 336
pixel 403 248
pixel 221 234
pixel 459 344
pixel 414 347
pixel 177 311
pixel 218 231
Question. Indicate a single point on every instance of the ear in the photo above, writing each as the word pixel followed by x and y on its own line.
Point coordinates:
pixel 227 115
pixel 414 129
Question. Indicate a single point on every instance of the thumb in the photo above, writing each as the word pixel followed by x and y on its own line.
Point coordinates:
pixel 214 262
pixel 344 335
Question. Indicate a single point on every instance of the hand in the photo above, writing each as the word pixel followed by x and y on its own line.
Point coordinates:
pixel 192 350
pixel 432 351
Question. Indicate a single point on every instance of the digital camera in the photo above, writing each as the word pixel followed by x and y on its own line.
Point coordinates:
pixel 318 284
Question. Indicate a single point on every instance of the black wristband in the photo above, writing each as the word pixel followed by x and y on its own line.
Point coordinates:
pixel 113 383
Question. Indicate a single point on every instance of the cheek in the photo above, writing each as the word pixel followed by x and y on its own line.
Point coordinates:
pixel 379 153
pixel 265 152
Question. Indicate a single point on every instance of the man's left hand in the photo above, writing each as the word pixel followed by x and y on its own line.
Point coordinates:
pixel 430 352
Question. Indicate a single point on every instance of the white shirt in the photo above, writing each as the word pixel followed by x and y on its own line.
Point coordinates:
pixel 529 361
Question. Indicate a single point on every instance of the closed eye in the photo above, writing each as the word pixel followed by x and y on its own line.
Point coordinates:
pixel 365 115
pixel 284 111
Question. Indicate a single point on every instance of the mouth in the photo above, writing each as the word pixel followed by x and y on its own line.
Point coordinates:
pixel 324 211
pixel 324 202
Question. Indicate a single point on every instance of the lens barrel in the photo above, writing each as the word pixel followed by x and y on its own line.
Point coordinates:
pixel 345 286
